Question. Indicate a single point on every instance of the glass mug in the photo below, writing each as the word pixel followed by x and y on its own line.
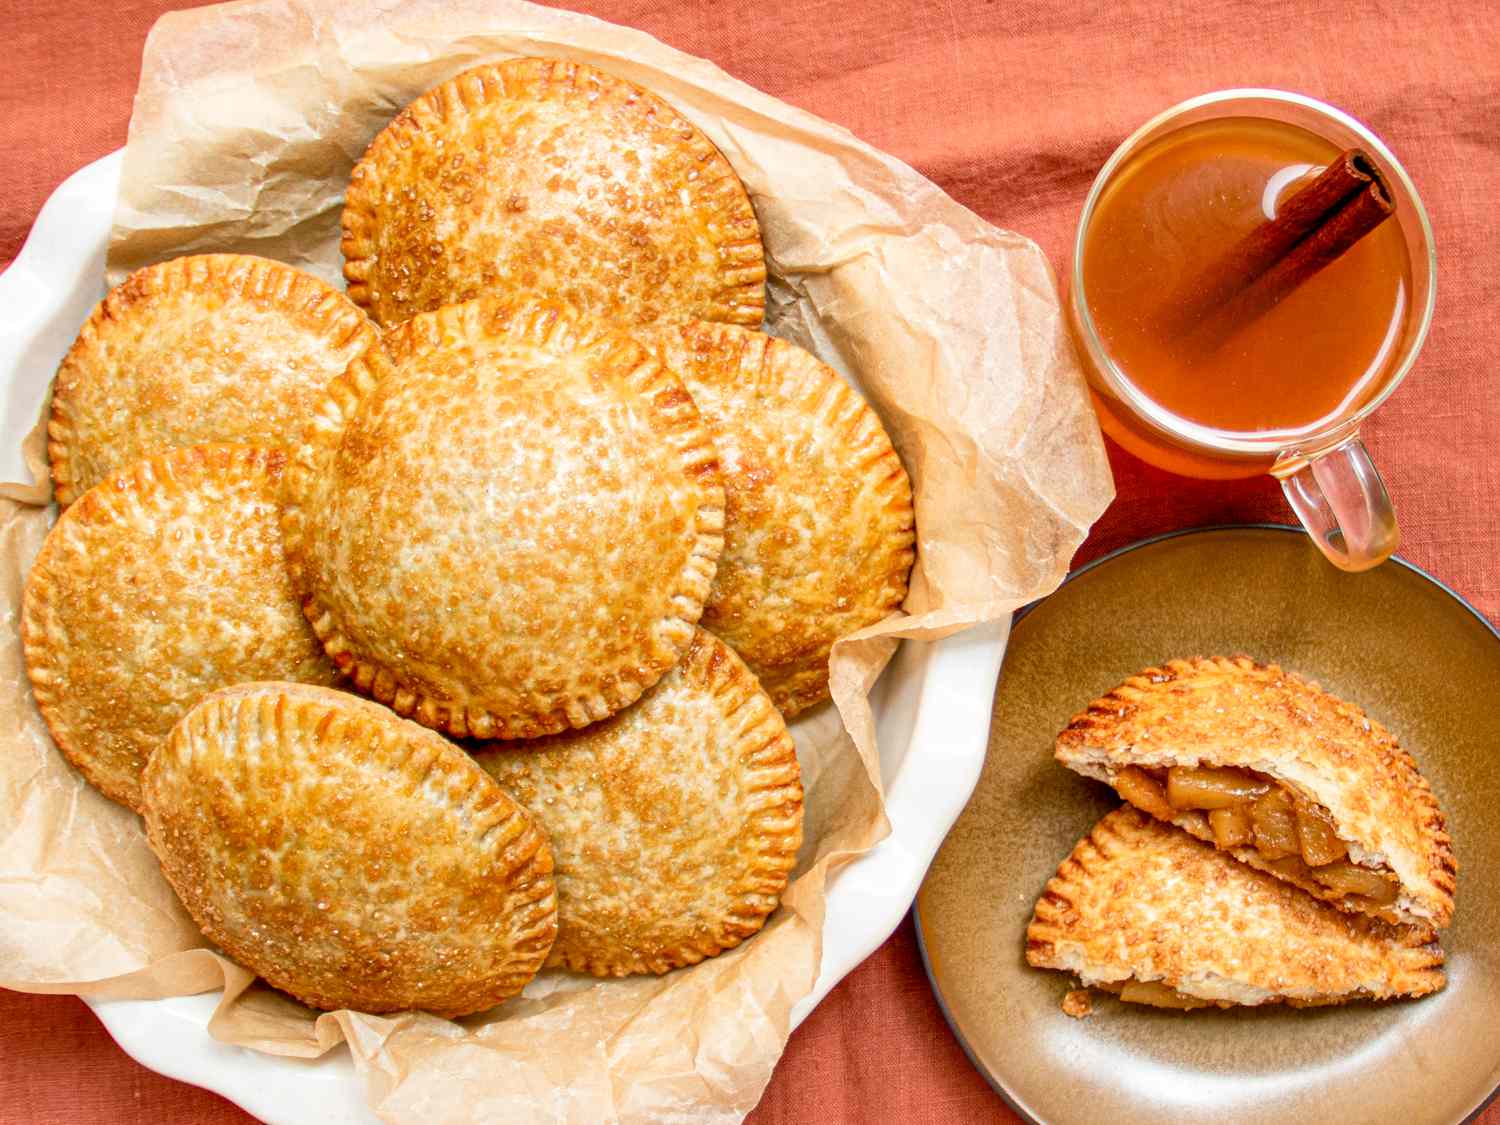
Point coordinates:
pixel 1324 470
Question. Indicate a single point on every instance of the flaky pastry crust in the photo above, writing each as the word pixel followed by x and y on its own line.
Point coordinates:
pixel 675 824
pixel 164 582
pixel 548 178
pixel 504 520
pixel 818 522
pixel 206 348
pixel 1140 900
pixel 1232 711
pixel 351 858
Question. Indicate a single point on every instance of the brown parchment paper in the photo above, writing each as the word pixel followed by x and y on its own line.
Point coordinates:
pixel 248 119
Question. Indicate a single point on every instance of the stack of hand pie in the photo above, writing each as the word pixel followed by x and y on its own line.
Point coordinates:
pixel 502 510
pixel 1278 845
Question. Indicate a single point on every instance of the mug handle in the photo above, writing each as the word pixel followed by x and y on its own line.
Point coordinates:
pixel 1342 502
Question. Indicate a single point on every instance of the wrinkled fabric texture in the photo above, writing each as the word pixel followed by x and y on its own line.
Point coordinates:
pixel 1010 109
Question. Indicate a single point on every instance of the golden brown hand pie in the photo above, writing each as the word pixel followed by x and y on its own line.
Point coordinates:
pixel 547 178
pixel 818 525
pixel 211 348
pixel 674 824
pixel 504 520
pixel 351 858
pixel 1146 910
pixel 162 583
pixel 1279 773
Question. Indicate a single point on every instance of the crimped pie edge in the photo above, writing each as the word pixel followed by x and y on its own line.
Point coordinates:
pixel 271 709
pixel 318 305
pixel 544 324
pixel 740 300
pixel 774 818
pixel 132 489
pixel 760 360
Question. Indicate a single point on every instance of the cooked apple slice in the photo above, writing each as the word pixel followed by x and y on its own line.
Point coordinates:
pixel 1142 791
pixel 1232 827
pixel 1203 787
pixel 1272 769
pixel 1320 840
pixel 1159 995
pixel 1352 879
pixel 1275 821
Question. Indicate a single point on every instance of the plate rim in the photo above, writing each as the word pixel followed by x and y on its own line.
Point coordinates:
pixel 992 1080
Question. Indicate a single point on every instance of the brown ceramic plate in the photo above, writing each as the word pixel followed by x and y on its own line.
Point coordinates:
pixel 1392 640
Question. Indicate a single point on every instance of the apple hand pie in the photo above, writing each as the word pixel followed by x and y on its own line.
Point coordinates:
pixel 504 519
pixel 1278 773
pixel 206 348
pixel 543 178
pixel 162 583
pixel 675 824
pixel 1146 911
pixel 351 858
pixel 818 522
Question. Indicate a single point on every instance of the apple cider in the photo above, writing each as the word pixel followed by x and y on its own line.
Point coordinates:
pixel 1173 211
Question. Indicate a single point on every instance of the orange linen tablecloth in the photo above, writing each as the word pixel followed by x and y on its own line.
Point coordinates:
pixel 1011 108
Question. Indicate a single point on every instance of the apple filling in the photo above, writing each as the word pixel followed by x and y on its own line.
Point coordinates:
pixel 1156 993
pixel 1242 808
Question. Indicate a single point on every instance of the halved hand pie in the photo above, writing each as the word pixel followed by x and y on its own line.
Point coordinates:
pixel 504 520
pixel 351 858
pixel 1280 774
pixel 1145 910
pixel 208 348
pixel 818 524
pixel 547 178
pixel 675 824
pixel 162 583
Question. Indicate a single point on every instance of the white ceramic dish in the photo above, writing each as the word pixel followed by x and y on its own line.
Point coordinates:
pixel 932 709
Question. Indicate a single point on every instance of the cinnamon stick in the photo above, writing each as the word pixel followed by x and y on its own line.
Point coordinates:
pixel 1312 229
